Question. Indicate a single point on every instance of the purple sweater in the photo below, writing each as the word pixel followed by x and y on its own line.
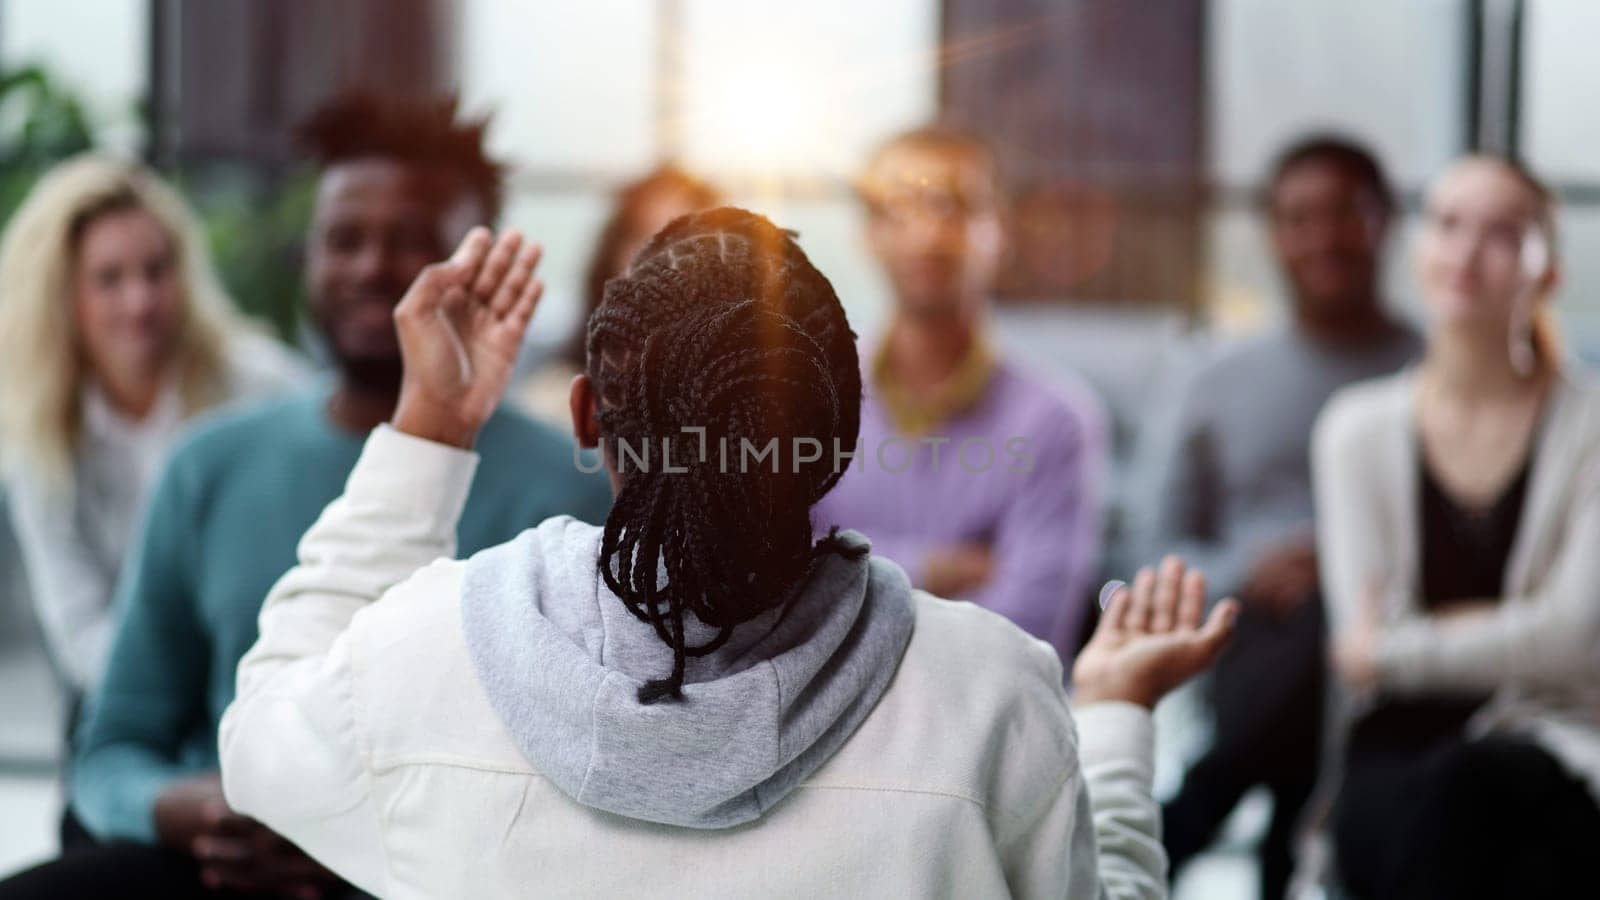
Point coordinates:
pixel 1036 503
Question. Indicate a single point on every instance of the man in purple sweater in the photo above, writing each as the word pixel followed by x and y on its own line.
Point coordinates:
pixel 977 478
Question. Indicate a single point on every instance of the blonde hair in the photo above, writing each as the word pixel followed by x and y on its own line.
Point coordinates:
pixel 41 365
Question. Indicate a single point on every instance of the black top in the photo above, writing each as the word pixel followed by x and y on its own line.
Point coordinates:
pixel 1464 555
pixel 1465 550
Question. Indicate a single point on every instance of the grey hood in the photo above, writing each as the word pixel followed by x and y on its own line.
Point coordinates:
pixel 562 661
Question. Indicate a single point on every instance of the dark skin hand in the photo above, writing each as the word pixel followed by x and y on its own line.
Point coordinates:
pixel 1284 576
pixel 234 852
pixel 460 326
pixel 1153 637
pixel 958 569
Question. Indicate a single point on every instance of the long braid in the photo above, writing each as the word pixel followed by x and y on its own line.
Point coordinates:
pixel 723 324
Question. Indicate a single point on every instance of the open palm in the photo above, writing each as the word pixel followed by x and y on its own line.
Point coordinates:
pixel 1152 637
pixel 461 325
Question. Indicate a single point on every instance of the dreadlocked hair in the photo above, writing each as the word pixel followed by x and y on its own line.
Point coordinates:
pixel 722 323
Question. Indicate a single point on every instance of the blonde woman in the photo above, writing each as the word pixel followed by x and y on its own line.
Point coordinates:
pixel 639 209
pixel 113 331
pixel 1458 520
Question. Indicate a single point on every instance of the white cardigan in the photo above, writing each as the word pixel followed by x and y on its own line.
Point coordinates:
pixel 1539 651
pixel 73 541
pixel 361 732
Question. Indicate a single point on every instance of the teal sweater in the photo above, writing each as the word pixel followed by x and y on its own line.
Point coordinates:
pixel 222 525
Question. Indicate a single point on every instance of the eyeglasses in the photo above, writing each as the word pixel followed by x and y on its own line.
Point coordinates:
pixel 934 205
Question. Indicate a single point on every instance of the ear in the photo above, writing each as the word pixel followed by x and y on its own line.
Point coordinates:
pixel 990 233
pixel 580 401
pixel 1378 226
pixel 875 229
pixel 1552 278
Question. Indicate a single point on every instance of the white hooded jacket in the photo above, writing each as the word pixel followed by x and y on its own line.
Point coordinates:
pixel 433 728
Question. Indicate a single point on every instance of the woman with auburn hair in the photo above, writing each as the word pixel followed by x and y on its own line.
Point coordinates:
pixel 639 209
pixel 113 331
pixel 1458 518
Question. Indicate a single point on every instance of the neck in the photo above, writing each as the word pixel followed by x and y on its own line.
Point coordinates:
pixel 360 407
pixel 132 395
pixel 1355 322
pixel 1473 367
pixel 922 353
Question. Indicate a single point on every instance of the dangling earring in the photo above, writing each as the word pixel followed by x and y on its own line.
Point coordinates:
pixel 1524 357
pixel 1535 260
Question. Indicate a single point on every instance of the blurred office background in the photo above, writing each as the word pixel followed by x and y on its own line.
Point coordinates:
pixel 1133 136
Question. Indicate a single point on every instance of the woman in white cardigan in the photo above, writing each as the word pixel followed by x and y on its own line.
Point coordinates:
pixel 696 700
pixel 113 332
pixel 1458 510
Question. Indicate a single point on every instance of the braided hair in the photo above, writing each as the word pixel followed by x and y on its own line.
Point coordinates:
pixel 722 323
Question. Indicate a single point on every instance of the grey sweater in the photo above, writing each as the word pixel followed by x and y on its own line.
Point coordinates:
pixel 1235 477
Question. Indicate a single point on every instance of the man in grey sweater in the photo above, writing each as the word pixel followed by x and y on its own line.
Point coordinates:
pixel 1236 494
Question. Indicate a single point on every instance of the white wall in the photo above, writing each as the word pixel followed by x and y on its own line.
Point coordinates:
pixel 1560 84
pixel 1390 73
pixel 98 48
pixel 572 84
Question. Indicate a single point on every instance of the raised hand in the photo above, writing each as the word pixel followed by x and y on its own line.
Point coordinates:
pixel 1284 577
pixel 461 325
pixel 1152 638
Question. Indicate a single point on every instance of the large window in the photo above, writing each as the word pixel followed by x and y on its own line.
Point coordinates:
pixel 1111 114
pixel 1395 76
pixel 1095 111
pixel 774 104
pixel 1420 82
pixel 1559 134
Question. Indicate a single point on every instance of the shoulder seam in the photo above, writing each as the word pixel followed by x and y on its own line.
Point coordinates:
pixel 892 789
